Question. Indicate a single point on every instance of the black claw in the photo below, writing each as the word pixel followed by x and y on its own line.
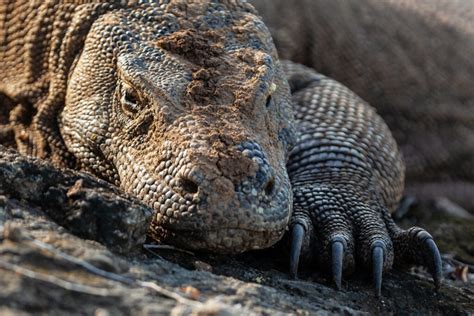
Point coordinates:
pixel 337 260
pixel 297 236
pixel 377 259
pixel 435 265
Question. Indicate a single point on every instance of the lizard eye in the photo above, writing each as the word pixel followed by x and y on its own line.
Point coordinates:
pixel 130 99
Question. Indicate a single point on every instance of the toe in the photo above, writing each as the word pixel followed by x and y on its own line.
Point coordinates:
pixel 416 246
pixel 373 242
pixel 301 238
pixel 335 249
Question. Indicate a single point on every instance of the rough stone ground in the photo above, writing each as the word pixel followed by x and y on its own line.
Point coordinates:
pixel 70 243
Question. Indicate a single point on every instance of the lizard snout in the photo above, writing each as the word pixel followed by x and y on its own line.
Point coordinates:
pixel 231 201
pixel 245 175
pixel 264 182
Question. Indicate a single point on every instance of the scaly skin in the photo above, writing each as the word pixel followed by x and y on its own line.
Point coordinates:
pixel 411 60
pixel 168 101
pixel 185 105
pixel 347 177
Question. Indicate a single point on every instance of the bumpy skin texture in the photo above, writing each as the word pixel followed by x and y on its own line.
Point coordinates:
pixel 411 60
pixel 347 177
pixel 185 105
pixel 182 104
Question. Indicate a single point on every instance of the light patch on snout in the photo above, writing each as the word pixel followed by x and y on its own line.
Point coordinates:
pixel 273 88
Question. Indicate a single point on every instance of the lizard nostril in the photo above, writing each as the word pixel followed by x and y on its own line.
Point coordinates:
pixel 189 186
pixel 270 187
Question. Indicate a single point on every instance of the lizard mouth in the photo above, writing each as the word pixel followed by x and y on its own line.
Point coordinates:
pixel 226 240
pixel 253 222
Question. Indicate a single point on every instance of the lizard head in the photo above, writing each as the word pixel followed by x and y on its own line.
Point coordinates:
pixel 185 106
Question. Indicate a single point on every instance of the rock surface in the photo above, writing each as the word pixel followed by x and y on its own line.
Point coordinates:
pixel 70 243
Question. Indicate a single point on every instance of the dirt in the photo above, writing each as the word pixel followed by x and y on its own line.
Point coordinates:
pixel 221 93
pixel 70 268
pixel 205 53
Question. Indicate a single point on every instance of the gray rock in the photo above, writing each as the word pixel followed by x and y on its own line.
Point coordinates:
pixel 71 244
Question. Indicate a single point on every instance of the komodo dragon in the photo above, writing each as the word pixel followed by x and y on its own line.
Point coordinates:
pixel 186 105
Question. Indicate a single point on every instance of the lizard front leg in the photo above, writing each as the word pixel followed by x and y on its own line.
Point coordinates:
pixel 347 176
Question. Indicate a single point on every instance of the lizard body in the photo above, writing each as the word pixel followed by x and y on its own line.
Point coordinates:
pixel 412 61
pixel 186 105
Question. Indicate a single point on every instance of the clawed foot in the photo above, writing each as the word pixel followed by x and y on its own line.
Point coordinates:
pixel 375 246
